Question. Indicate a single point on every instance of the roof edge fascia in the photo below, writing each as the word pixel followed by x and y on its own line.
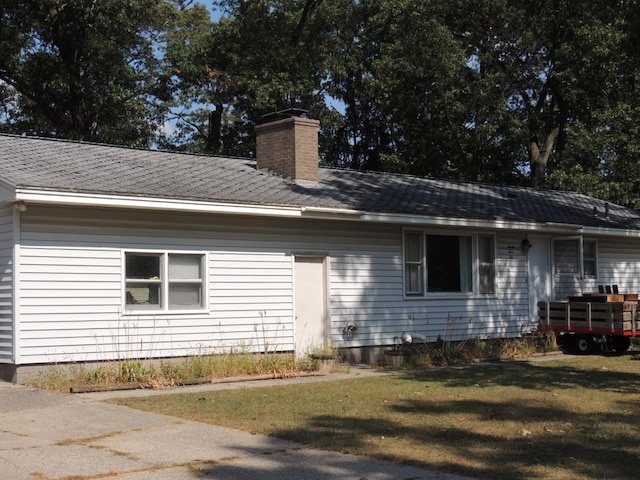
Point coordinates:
pixel 611 232
pixel 124 201
pixel 491 224
pixel 423 221
pixel 319 213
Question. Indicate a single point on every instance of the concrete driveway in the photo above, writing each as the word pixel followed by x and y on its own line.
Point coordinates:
pixel 52 436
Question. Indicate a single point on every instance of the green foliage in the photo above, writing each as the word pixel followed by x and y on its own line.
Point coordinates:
pixel 326 349
pixel 84 70
pixel 258 58
pixel 123 372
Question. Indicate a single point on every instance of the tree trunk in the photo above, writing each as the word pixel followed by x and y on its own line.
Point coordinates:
pixel 214 133
pixel 538 158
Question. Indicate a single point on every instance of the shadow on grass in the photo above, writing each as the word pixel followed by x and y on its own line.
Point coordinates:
pixel 516 440
pixel 514 421
pixel 502 458
pixel 309 465
pixel 534 376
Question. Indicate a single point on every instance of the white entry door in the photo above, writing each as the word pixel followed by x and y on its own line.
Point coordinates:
pixel 539 261
pixel 310 303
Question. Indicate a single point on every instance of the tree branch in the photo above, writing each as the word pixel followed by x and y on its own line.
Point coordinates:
pixel 310 6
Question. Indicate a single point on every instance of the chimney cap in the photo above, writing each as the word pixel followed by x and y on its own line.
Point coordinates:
pixel 286 113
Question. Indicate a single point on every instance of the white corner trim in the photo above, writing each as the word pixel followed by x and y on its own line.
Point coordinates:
pixel 17 296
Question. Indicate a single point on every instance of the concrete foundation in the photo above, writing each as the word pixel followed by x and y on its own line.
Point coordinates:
pixel 22 374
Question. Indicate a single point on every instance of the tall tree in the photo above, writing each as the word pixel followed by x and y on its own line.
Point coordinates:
pixel 260 57
pixel 194 112
pixel 397 71
pixel 84 69
pixel 557 69
pixel 602 146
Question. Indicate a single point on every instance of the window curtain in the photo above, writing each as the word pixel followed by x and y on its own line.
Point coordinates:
pixel 466 283
pixel 187 267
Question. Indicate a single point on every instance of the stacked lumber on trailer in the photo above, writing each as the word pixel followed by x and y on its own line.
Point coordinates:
pixel 596 297
pixel 593 316
pixel 604 297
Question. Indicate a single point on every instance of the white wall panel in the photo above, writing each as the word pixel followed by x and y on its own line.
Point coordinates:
pixel 72 286
pixel 618 264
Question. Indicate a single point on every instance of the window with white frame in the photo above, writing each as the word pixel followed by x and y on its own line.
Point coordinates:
pixel 445 263
pixel 164 281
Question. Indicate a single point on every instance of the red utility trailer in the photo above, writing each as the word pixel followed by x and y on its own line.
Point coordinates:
pixel 588 321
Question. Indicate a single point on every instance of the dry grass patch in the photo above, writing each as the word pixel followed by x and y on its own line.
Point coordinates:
pixel 161 374
pixel 565 419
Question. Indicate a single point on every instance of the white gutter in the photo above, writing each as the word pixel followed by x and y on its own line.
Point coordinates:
pixel 332 213
pixel 417 220
pixel 612 232
pixel 123 201
pixel 322 213
pixel 563 226
pixel 447 221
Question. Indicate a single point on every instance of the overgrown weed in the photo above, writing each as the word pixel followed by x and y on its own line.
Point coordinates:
pixel 466 351
pixel 168 373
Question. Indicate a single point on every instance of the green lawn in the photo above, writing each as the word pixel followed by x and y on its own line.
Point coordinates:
pixel 563 419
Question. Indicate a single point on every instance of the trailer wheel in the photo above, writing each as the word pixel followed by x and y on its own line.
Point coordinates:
pixel 620 343
pixel 584 344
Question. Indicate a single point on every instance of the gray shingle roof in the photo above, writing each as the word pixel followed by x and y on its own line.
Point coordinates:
pixel 56 165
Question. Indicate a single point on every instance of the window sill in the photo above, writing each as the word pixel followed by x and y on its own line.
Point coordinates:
pixel 451 296
pixel 133 312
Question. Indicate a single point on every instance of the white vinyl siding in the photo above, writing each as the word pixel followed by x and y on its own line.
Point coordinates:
pixel 6 283
pixel 618 264
pixel 73 280
pixel 72 288
pixel 370 293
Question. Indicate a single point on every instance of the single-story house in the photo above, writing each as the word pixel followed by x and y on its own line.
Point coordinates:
pixel 109 253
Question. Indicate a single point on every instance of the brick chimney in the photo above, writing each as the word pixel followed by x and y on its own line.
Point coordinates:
pixel 287 144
